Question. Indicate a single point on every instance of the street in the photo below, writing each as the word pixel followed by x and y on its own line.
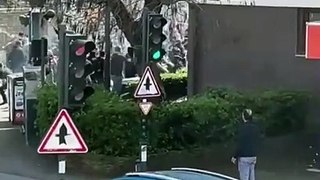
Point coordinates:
pixel 21 162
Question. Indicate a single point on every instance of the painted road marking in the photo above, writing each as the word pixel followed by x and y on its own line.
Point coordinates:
pixel 9 129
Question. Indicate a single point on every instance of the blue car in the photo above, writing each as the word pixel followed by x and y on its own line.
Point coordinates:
pixel 176 174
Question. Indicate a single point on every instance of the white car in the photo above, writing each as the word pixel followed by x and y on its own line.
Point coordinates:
pixel 176 174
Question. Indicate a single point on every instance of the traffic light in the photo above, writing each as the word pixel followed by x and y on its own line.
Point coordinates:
pixel 79 82
pixel 36 50
pixel 156 22
pixel 24 20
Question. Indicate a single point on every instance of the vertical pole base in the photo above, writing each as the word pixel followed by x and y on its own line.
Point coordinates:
pixel 140 166
pixel 143 157
pixel 62 165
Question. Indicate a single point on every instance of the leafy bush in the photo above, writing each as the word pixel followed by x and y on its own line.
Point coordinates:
pixel 111 125
pixel 47 107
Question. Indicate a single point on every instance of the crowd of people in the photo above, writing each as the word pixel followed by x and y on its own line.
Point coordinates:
pixel 17 52
pixel 16 57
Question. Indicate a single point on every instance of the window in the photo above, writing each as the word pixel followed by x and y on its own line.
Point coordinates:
pixel 305 15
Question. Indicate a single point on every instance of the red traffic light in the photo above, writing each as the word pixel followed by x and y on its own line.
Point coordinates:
pixel 83 47
pixel 80 51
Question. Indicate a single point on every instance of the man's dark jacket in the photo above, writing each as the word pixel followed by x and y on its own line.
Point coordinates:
pixel 117 64
pixel 248 140
pixel 16 59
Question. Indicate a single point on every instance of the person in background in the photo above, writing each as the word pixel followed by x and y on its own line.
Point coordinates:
pixel 16 58
pixel 117 70
pixel 130 68
pixel 4 72
pixel 23 38
pixel 248 142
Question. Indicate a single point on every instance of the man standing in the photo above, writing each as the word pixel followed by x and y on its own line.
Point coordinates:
pixel 3 76
pixel 16 58
pixel 248 141
pixel 117 70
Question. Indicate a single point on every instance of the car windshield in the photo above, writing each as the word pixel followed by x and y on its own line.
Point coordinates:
pixel 187 175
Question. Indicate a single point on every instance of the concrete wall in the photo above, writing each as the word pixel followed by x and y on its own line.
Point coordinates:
pixel 247 48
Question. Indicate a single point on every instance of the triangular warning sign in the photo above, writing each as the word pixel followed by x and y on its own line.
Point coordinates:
pixel 63 137
pixel 147 86
pixel 145 107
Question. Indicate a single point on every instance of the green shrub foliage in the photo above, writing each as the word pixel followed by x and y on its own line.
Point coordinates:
pixel 111 125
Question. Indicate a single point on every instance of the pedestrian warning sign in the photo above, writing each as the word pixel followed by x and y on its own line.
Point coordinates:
pixel 147 86
pixel 63 137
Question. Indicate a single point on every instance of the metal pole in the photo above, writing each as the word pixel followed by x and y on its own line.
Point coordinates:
pixel 143 144
pixel 42 63
pixel 145 43
pixel 61 65
pixel 61 88
pixel 106 63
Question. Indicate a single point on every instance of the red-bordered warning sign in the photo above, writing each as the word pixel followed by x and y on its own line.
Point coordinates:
pixel 147 86
pixel 63 137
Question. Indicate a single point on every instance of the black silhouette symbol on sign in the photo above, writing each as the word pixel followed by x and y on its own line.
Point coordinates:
pixel 147 84
pixel 62 134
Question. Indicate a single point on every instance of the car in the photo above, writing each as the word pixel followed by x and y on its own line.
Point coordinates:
pixel 176 174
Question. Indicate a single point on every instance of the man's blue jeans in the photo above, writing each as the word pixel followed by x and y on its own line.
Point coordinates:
pixel 246 167
pixel 116 84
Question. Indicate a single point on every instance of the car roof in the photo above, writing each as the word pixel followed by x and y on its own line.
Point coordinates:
pixel 150 175
pixel 133 178
pixel 178 174
pixel 203 172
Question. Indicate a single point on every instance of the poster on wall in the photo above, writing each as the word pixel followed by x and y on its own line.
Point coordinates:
pixel 18 91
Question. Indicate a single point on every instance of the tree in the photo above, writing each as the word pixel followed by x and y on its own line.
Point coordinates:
pixel 124 19
pixel 87 17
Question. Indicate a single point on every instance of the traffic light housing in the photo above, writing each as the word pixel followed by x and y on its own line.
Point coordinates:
pixel 36 50
pixel 79 82
pixel 24 20
pixel 155 37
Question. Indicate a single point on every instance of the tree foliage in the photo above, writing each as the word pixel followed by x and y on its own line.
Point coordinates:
pixel 88 17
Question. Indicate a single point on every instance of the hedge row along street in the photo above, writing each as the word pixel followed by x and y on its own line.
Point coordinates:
pixel 207 118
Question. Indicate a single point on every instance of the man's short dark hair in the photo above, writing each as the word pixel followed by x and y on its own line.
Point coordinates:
pixel 247 114
pixel 18 43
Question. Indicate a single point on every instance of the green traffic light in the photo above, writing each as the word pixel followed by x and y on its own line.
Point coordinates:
pixel 156 55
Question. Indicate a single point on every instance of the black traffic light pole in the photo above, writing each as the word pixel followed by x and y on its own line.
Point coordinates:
pixel 152 23
pixel 61 66
pixel 106 63
pixel 142 163
pixel 61 84
pixel 42 57
pixel 145 43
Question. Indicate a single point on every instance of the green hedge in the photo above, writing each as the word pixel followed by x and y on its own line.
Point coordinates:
pixel 111 125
